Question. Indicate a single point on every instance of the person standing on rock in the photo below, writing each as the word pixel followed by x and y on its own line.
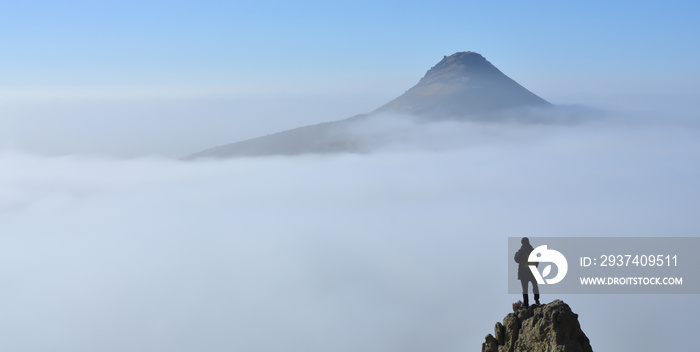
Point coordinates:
pixel 524 273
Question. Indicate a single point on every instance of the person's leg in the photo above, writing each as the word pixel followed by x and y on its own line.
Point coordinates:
pixel 523 283
pixel 536 291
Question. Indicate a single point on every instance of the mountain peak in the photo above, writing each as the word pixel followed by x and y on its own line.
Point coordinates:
pixel 464 59
pixel 459 65
pixel 462 85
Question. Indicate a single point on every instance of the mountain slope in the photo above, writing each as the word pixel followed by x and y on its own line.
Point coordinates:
pixel 463 86
pixel 328 137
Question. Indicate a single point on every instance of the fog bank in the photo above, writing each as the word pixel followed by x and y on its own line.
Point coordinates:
pixel 402 249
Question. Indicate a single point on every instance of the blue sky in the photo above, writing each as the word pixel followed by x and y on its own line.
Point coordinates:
pixel 319 46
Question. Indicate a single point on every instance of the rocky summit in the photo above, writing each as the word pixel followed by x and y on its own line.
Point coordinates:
pixel 551 327
pixel 460 86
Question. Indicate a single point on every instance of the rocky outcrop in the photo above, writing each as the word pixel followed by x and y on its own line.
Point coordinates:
pixel 551 327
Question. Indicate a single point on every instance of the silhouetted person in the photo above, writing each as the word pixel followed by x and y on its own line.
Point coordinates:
pixel 524 273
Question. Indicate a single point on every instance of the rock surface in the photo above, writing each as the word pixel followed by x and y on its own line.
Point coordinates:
pixel 551 327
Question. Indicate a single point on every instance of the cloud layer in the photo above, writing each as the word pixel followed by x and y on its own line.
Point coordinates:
pixel 403 249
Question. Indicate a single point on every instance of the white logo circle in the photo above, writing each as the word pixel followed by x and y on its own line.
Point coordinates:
pixel 542 254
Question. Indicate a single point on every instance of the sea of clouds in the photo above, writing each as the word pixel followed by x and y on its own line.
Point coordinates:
pixel 403 248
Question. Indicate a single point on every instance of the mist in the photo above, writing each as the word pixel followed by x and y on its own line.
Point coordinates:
pixel 169 126
pixel 399 249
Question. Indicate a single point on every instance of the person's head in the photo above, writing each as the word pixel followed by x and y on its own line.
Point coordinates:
pixel 525 241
